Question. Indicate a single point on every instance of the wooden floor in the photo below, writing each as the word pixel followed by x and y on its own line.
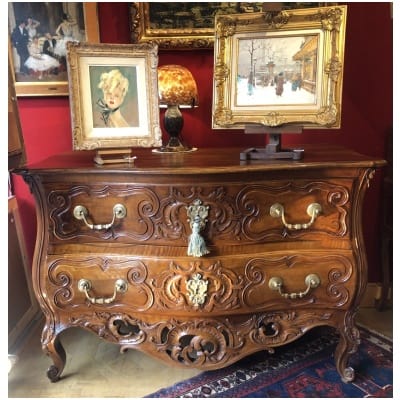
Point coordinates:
pixel 96 368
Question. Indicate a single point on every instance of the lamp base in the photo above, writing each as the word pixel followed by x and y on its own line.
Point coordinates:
pixel 173 122
pixel 174 145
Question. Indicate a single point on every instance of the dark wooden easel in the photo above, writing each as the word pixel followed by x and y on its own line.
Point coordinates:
pixel 273 150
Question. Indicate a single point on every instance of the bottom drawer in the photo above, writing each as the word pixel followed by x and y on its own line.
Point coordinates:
pixel 187 286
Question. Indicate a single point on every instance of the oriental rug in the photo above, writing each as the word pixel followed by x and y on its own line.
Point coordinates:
pixel 304 368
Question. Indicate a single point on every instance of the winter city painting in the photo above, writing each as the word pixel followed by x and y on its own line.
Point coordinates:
pixel 280 70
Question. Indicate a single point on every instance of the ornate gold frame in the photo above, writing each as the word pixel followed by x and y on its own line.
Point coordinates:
pixel 324 25
pixel 59 88
pixel 189 38
pixel 166 38
pixel 87 59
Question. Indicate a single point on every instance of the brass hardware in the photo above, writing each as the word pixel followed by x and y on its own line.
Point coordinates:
pixel 81 212
pixel 120 286
pixel 197 288
pixel 312 281
pixel 197 214
pixel 313 210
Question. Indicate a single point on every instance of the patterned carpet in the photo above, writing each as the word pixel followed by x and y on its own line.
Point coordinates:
pixel 304 368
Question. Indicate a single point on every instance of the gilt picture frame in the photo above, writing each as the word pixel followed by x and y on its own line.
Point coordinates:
pixel 189 26
pixel 48 18
pixel 276 69
pixel 180 26
pixel 113 95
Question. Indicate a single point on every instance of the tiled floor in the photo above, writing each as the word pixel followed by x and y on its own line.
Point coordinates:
pixel 96 368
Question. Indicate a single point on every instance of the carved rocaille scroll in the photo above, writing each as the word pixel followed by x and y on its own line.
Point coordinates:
pixel 223 287
pixel 203 286
pixel 142 206
pixel 203 343
pixel 236 214
pixel 64 275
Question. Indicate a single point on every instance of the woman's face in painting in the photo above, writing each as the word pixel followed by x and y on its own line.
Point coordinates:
pixel 114 98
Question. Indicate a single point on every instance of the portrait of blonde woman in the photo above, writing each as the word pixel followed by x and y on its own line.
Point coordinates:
pixel 115 98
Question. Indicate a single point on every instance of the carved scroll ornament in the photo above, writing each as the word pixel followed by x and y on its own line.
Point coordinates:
pixel 203 343
pixel 230 215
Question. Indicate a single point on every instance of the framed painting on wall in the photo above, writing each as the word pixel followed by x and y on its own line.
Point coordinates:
pixel 180 25
pixel 188 26
pixel 38 33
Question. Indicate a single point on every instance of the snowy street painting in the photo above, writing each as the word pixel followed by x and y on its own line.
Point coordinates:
pixel 277 71
pixel 266 95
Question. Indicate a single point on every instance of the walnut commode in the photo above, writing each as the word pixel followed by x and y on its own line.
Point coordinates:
pixel 200 259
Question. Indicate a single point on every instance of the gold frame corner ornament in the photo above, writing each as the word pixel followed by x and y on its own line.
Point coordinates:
pixel 166 38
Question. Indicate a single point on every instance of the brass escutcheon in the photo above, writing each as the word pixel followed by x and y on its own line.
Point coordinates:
pixel 197 289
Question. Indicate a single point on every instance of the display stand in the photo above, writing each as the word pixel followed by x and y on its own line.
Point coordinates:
pixel 114 156
pixel 273 149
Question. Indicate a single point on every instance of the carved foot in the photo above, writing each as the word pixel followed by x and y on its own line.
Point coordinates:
pixel 348 344
pixel 55 350
pixel 53 373
pixel 348 375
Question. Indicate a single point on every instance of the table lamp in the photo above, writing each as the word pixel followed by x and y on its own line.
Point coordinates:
pixel 176 89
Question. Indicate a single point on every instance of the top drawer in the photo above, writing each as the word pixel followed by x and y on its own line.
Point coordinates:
pixel 236 213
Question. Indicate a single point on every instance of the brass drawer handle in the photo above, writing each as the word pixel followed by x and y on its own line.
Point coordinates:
pixel 81 212
pixel 312 281
pixel 84 285
pixel 313 210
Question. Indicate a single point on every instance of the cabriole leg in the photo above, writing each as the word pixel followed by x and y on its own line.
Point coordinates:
pixel 54 349
pixel 348 344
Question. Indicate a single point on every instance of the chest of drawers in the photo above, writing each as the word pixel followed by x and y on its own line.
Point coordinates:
pixel 200 259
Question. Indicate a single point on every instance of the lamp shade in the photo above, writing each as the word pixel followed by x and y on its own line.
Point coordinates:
pixel 177 87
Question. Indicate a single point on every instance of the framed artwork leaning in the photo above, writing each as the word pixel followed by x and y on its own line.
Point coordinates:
pixel 38 33
pixel 106 82
pixel 282 68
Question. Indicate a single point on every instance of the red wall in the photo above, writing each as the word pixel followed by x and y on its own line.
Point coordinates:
pixel 367 115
